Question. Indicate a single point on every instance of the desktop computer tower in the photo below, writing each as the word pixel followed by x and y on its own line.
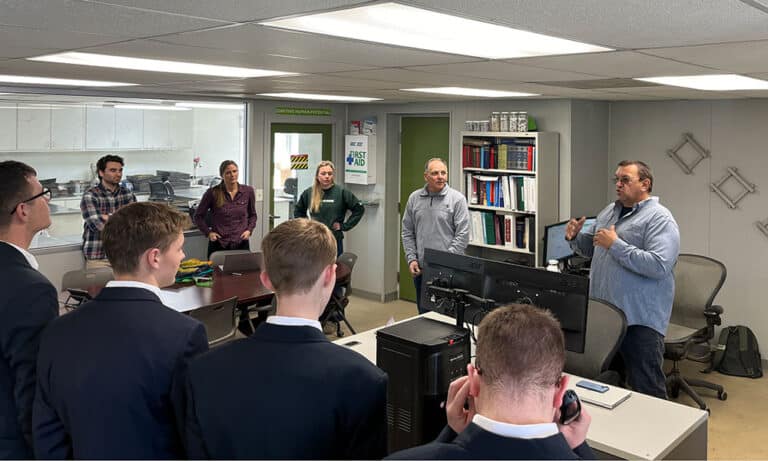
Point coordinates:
pixel 421 356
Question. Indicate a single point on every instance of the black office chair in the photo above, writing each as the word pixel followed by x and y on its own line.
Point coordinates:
pixel 334 310
pixel 220 320
pixel 79 282
pixel 606 327
pixel 698 279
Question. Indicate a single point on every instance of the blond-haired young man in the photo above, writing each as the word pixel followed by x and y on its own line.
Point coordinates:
pixel 286 392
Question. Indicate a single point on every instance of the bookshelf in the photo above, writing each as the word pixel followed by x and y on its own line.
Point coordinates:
pixel 511 183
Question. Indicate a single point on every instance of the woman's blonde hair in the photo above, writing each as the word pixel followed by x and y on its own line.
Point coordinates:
pixel 220 190
pixel 317 191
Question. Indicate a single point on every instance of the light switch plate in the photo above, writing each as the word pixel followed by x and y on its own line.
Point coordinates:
pixel 259 195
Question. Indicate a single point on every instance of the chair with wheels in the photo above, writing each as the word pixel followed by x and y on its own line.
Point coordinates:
pixel 698 279
pixel 220 320
pixel 334 310
pixel 606 327
pixel 82 284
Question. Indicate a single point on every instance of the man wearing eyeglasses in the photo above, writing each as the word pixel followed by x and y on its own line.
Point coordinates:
pixel 27 303
pixel 98 204
pixel 634 245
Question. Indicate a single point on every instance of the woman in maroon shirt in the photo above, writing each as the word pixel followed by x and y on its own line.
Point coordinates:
pixel 233 212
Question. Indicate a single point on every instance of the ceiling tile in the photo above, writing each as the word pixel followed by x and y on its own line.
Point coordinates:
pixel 614 64
pixel 96 18
pixel 728 57
pixel 500 70
pixel 266 40
pixel 154 49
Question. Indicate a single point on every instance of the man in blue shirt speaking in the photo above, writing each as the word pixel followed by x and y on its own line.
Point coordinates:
pixel 634 245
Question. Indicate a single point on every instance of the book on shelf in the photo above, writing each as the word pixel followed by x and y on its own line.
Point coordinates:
pixel 490 228
pixel 511 192
pixel 508 155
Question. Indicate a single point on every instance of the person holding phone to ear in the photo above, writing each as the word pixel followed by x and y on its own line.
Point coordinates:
pixel 509 404
pixel 328 203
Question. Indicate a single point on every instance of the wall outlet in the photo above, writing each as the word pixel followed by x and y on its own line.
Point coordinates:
pixel 259 195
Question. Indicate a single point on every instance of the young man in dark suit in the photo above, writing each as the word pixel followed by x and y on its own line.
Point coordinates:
pixel 512 395
pixel 106 369
pixel 27 303
pixel 286 391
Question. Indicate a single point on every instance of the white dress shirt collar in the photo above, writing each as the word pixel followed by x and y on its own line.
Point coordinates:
pixel 27 255
pixel 135 284
pixel 519 431
pixel 293 322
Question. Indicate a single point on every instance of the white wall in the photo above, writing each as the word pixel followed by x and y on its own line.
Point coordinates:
pixel 379 263
pixel 734 131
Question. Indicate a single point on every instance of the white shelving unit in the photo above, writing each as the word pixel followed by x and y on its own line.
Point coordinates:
pixel 545 171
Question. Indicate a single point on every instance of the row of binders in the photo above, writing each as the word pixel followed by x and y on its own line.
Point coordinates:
pixel 517 193
pixel 512 155
pixel 512 231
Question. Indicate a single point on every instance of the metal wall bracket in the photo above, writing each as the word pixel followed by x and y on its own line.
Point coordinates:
pixel 763 226
pixel 688 139
pixel 732 173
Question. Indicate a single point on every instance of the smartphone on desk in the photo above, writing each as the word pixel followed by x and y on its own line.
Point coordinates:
pixel 596 387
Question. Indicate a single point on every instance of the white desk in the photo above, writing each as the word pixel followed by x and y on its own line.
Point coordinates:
pixel 641 427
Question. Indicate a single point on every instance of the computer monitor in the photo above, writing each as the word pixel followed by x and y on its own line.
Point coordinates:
pixel 483 280
pixel 566 296
pixel 449 271
pixel 555 245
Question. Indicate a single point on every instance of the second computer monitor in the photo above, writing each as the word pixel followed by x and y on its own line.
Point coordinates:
pixel 555 245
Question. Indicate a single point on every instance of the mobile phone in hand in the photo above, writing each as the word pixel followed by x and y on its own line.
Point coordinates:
pixel 570 409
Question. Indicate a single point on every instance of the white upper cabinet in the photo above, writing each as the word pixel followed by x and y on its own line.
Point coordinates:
pixel 67 127
pixel 181 129
pixel 129 126
pixel 34 128
pixel 100 128
pixel 8 128
pixel 157 129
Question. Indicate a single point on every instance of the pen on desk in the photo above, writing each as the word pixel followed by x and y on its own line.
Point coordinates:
pixel 236 273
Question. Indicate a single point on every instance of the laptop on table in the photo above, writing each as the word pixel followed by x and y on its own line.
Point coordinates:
pixel 242 262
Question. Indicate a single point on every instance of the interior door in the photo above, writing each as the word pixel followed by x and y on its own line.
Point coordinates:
pixel 422 138
pixel 289 179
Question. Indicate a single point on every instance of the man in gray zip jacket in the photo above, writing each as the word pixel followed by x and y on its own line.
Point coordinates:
pixel 437 217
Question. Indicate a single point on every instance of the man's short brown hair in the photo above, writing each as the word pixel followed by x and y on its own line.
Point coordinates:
pixel 136 228
pixel 643 171
pixel 295 254
pixel 520 347
pixel 14 187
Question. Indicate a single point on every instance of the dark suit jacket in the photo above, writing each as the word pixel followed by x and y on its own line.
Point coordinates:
pixel 105 373
pixel 477 443
pixel 27 303
pixel 285 392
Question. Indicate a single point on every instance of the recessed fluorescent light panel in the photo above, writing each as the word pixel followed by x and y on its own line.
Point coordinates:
pixel 320 97
pixel 402 25
pixel 458 91
pixel 211 105
pixel 716 82
pixel 156 65
pixel 27 80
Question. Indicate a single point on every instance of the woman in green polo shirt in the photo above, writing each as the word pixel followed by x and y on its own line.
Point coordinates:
pixel 328 203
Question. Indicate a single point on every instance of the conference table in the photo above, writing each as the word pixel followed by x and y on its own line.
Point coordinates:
pixel 641 427
pixel 246 286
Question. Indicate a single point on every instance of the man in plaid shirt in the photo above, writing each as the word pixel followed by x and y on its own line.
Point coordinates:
pixel 98 204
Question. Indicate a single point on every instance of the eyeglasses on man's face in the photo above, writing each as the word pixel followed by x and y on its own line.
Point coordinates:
pixel 45 193
pixel 623 179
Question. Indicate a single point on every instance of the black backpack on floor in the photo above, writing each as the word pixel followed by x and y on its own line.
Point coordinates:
pixel 738 353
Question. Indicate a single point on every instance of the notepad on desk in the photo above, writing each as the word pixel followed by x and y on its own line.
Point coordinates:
pixel 609 399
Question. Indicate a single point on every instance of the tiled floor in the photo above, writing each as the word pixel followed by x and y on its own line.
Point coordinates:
pixel 734 424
